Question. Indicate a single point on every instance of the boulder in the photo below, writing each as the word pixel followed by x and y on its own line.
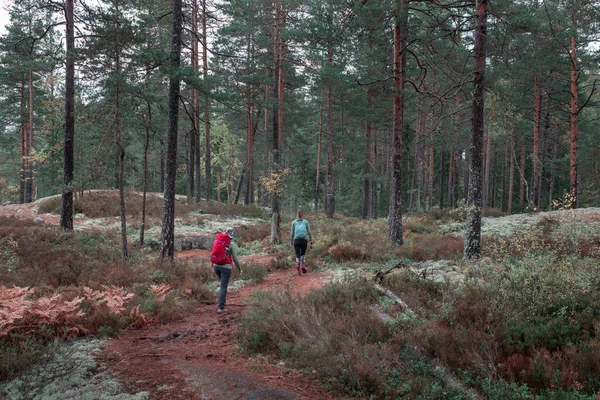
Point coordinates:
pixel 203 242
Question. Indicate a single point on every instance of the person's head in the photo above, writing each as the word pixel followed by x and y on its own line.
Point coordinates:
pixel 299 213
pixel 229 230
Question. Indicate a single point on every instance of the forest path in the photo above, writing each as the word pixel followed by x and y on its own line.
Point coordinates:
pixel 197 358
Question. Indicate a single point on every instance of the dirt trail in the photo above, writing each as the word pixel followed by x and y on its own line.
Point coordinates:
pixel 198 358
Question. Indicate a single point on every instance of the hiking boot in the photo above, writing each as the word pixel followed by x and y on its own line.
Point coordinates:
pixel 221 310
pixel 304 270
pixel 298 270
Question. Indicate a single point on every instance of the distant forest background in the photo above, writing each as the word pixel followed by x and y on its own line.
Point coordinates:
pixel 326 69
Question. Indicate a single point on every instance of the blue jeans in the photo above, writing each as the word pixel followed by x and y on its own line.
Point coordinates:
pixel 224 274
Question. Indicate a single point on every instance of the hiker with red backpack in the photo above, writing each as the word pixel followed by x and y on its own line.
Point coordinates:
pixel 299 240
pixel 223 254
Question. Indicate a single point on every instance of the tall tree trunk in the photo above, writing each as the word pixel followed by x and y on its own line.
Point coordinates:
pixel 488 161
pixel 455 178
pixel 66 209
pixel 145 182
pixel 373 189
pixel 522 180
pixel 276 199
pixel 552 177
pixel 329 183
pixel 537 111
pixel 431 179
pixel 168 220
pixel 473 231
pixel 367 163
pixel 29 173
pixel 121 153
pixel 400 40
pixel 240 183
pixel 511 179
pixel 190 163
pixel 163 161
pixel 207 149
pixel 23 130
pixel 249 191
pixel 320 139
pixel 442 178
pixel 264 196
pixel 196 103
pixel 574 124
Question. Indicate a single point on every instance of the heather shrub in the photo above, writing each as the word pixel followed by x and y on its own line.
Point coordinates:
pixel 106 204
pixel 334 334
pixel 533 321
pixel 421 247
pixel 254 272
pixel 46 255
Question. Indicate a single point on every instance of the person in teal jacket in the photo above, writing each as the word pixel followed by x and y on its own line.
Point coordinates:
pixel 299 240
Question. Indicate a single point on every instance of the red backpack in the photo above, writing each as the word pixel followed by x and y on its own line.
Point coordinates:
pixel 219 254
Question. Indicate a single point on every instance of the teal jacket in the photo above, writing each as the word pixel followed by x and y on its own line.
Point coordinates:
pixel 293 233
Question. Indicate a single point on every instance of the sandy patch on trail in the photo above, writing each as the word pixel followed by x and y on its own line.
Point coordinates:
pixel 198 358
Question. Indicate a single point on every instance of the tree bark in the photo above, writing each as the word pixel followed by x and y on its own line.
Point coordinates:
pixel 373 200
pixel 431 179
pixel 121 151
pixel 400 41
pixel 552 177
pixel 145 182
pixel 276 199
pixel 249 188
pixel 23 130
pixel 522 180
pixel 537 110
pixel 488 160
pixel 320 139
pixel 473 231
pixel 574 124
pixel 207 149
pixel 168 220
pixel 511 179
pixel 66 212
pixel 196 104
pixel 329 181
pixel 367 163
pixel 29 149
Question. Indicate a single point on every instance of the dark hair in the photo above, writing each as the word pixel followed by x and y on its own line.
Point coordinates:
pixel 299 213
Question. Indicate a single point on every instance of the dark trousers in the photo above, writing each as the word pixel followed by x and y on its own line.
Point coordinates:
pixel 224 274
pixel 300 246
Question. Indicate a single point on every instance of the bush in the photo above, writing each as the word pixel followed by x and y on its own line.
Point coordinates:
pixel 18 353
pixel 254 272
pixel 46 255
pixel 335 333
pixel 422 247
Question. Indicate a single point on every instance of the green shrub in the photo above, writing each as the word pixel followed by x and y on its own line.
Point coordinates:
pixel 18 353
pixel 334 333
pixel 254 272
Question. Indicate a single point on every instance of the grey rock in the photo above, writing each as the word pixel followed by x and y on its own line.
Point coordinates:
pixel 203 242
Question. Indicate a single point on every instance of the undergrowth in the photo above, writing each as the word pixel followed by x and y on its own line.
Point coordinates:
pixel 106 204
pixel 56 285
pixel 334 335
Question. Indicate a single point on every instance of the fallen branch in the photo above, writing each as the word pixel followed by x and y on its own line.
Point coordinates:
pixel 440 370
pixel 380 275
pixel 391 295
